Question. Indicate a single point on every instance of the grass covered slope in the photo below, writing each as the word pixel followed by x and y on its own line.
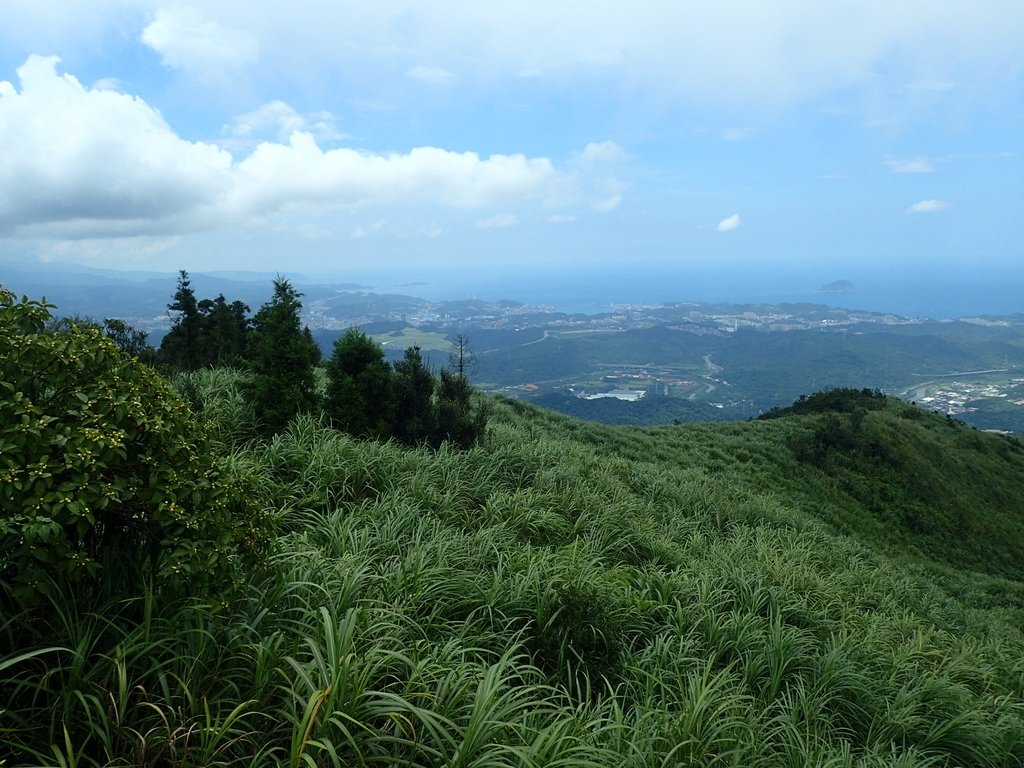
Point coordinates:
pixel 902 479
pixel 566 594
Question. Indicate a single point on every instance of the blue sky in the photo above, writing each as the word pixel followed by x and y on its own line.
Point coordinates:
pixel 418 139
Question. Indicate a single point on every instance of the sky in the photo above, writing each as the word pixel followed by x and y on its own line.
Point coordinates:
pixel 824 138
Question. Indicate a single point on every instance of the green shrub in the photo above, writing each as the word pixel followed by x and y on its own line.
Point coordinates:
pixel 105 478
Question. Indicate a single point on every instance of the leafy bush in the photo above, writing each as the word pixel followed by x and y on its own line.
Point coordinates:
pixel 105 478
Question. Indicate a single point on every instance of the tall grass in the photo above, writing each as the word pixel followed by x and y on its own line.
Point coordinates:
pixel 605 599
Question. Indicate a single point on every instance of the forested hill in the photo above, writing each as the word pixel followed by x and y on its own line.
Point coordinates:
pixel 839 585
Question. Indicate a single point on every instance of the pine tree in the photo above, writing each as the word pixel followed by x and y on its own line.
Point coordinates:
pixel 361 387
pixel 461 418
pixel 462 361
pixel 415 415
pixel 225 329
pixel 180 348
pixel 283 357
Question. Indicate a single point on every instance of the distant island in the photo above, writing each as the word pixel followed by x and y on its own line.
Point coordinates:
pixel 839 286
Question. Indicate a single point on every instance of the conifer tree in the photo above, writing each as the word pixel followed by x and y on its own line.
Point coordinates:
pixel 225 330
pixel 460 420
pixel 180 348
pixel 462 360
pixel 361 387
pixel 415 415
pixel 283 357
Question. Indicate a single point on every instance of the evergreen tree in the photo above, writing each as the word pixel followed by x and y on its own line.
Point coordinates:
pixel 462 360
pixel 180 348
pixel 415 415
pixel 361 387
pixel 225 329
pixel 283 357
pixel 460 420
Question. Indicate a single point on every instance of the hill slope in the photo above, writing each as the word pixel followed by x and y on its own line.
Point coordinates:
pixel 797 591
pixel 902 479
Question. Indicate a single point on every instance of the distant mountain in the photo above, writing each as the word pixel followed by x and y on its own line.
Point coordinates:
pixel 141 297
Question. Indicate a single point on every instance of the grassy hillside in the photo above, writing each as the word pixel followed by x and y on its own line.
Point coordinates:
pixel 818 589
pixel 905 480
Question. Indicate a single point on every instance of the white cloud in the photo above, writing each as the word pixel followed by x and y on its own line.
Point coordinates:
pixel 123 171
pixel 98 161
pixel 729 224
pixel 498 221
pixel 928 206
pixel 277 120
pixel 281 176
pixel 123 252
pixel 561 218
pixel 186 40
pixel 432 75
pixel 601 152
pixel 608 203
pixel 782 52
pixel 914 165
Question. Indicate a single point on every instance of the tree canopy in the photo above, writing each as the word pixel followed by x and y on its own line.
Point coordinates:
pixel 361 387
pixel 283 355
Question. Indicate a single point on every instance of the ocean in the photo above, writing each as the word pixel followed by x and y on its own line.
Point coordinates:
pixel 939 294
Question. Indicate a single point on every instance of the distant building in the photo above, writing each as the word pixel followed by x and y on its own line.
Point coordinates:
pixel 630 395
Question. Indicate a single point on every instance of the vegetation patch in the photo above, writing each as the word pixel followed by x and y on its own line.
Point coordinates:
pixel 556 593
pixel 428 341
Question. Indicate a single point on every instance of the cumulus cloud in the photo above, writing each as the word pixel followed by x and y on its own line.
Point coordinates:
pixel 107 84
pixel 124 171
pixel 96 160
pixel 281 176
pixel 498 221
pixel 186 40
pixel 278 121
pixel 928 206
pixel 729 224
pixel 432 75
pixel 914 165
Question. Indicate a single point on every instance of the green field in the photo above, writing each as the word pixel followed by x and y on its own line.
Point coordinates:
pixel 413 337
